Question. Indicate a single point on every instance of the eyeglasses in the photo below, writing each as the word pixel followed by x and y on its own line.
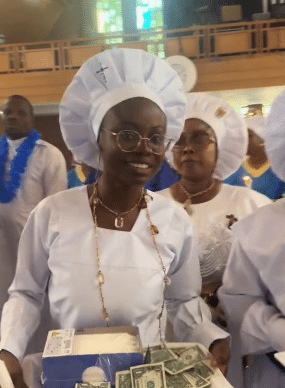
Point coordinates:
pixel 196 139
pixel 129 141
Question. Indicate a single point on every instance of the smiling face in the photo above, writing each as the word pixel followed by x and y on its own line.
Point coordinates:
pixel 137 167
pixel 195 153
pixel 17 118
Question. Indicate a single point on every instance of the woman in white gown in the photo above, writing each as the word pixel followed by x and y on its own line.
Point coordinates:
pixel 253 285
pixel 211 147
pixel 109 252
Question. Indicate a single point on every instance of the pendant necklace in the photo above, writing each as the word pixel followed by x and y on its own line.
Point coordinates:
pixel 94 201
pixel 187 204
pixel 119 220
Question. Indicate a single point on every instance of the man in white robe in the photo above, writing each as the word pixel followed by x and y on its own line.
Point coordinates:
pixel 45 174
pixel 253 285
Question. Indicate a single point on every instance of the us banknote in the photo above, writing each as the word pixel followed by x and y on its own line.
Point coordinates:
pixel 148 376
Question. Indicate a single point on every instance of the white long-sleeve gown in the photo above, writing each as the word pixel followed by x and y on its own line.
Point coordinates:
pixel 45 175
pixel 253 290
pixel 57 249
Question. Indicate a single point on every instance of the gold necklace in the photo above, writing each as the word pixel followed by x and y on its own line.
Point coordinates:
pixel 188 202
pixel 119 220
pixel 100 277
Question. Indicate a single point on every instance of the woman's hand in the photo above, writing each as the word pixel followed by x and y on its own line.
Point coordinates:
pixel 221 355
pixel 14 368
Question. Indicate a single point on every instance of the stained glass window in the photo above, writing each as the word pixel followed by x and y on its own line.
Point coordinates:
pixel 109 16
pixel 149 14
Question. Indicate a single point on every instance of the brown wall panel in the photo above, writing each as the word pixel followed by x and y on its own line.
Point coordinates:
pixel 248 71
pixel 243 72
pixel 38 87
pixel 48 127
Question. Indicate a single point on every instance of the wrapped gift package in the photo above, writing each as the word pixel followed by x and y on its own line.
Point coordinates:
pixel 89 355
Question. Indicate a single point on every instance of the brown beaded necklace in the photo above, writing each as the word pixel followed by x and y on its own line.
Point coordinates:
pixel 187 204
pixel 94 200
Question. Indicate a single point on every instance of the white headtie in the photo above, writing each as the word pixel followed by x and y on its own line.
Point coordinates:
pixel 229 128
pixel 275 136
pixel 107 79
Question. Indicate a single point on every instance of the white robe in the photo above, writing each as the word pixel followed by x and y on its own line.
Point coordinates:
pixel 214 240
pixel 45 174
pixel 58 248
pixel 210 222
pixel 253 290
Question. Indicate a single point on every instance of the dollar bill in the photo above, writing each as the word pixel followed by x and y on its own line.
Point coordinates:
pixel 148 376
pixel 178 351
pixel 177 381
pixel 176 366
pixel 161 355
pixel 156 347
pixel 150 349
pixel 123 379
pixel 97 385
pixel 203 370
pixel 193 355
pixel 196 380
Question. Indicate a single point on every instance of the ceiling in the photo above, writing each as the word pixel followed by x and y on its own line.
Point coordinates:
pixel 29 20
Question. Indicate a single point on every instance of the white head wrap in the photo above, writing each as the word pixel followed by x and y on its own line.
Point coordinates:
pixel 107 79
pixel 275 136
pixel 257 124
pixel 229 128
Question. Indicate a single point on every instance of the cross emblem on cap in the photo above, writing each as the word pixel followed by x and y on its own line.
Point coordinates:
pixel 220 112
pixel 101 71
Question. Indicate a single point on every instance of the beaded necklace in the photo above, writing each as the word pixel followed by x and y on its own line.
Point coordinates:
pixel 187 204
pixel 100 277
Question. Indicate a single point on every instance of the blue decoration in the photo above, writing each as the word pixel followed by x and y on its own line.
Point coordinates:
pixel 9 189
pixel 267 183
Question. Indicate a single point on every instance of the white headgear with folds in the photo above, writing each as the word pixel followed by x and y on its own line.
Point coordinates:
pixel 229 127
pixel 107 79
pixel 275 136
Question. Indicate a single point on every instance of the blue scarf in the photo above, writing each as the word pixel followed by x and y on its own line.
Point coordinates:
pixel 9 189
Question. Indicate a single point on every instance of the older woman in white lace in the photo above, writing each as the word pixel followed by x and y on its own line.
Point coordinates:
pixel 211 147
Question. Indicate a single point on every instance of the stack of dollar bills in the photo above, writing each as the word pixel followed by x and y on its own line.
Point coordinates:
pixel 97 385
pixel 169 367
